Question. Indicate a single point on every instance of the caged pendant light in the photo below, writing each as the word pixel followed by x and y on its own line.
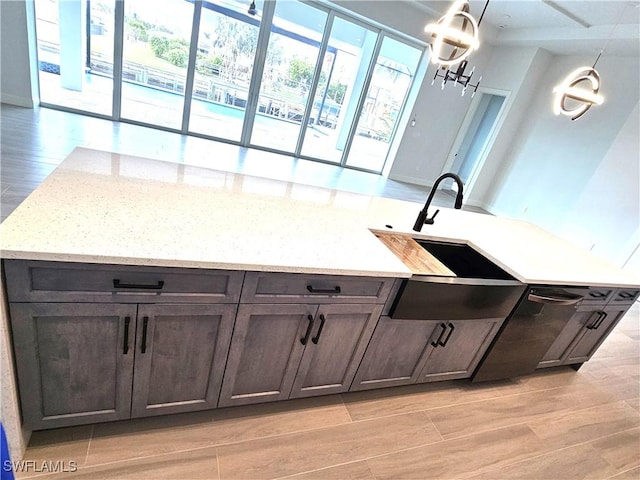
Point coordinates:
pixel 452 46
pixel 580 90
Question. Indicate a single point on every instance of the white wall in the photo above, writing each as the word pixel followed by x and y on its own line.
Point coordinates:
pixel 439 113
pixel 399 15
pixel 606 216
pixel 549 168
pixel 18 82
pixel 517 71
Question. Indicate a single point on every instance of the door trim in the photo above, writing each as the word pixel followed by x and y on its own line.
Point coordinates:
pixel 464 128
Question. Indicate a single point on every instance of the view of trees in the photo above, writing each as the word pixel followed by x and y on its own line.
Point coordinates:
pixel 230 53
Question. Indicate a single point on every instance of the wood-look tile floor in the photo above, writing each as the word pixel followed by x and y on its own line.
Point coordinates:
pixel 555 424
pixel 35 141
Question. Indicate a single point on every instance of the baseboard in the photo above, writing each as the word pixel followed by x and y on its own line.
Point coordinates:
pixel 412 180
pixel 17 101
pixel 483 205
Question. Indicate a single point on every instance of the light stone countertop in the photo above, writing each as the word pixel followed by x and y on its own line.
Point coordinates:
pixel 101 207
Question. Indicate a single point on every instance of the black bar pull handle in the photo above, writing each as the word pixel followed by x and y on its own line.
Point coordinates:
pixel 626 295
pixel 305 339
pixel 437 342
pixel 145 323
pixel 317 337
pixel 324 291
pixel 118 284
pixel 446 340
pixel 591 325
pixel 125 345
pixel 595 325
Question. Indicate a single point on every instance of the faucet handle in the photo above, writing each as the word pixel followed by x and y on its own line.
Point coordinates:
pixel 429 221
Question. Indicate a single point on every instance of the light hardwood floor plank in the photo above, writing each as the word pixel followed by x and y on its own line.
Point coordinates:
pixel 622 450
pixel 200 464
pixel 574 427
pixel 460 457
pixel 302 452
pixel 459 420
pixel 127 440
pixel 576 463
pixel 250 422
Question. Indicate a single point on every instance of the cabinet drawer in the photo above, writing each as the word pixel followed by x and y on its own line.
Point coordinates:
pixel 625 296
pixel 598 295
pixel 36 281
pixel 265 287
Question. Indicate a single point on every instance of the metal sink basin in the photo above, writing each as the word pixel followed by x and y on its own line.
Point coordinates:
pixel 480 288
pixel 464 261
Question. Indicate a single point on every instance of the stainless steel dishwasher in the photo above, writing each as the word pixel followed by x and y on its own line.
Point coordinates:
pixel 529 332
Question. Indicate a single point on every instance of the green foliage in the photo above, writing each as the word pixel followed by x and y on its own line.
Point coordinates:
pixel 137 29
pixel 159 45
pixel 208 64
pixel 175 51
pixel 177 56
pixel 235 38
pixel 300 72
pixel 336 92
pixel 178 43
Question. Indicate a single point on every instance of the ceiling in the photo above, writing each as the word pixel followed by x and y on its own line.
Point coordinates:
pixel 564 27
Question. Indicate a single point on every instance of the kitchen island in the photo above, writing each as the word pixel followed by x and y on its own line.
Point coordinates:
pixel 119 268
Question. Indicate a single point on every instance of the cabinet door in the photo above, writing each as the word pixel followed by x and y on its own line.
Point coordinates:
pixel 396 353
pixel 339 338
pixel 74 362
pixel 180 357
pixel 594 334
pixel 584 316
pixel 459 350
pixel 266 349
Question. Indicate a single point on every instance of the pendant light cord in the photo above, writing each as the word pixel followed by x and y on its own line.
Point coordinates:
pixel 482 14
pixel 606 44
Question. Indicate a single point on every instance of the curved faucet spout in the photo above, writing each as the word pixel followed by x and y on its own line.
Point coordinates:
pixel 423 215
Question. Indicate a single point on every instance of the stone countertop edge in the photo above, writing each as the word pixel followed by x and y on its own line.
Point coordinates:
pixel 102 207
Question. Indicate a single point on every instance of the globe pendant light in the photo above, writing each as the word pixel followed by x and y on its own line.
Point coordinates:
pixel 455 35
pixel 578 92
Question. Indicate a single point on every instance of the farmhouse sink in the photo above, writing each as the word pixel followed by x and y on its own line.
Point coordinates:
pixel 477 289
pixel 463 260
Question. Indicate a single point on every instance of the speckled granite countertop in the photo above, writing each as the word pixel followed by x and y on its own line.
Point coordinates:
pixel 102 207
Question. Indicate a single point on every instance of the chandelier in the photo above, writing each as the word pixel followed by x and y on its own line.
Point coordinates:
pixel 452 46
pixel 458 77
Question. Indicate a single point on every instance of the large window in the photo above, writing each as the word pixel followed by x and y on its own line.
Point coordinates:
pixel 394 71
pixel 75 53
pixel 227 42
pixel 289 76
pixel 155 54
pixel 292 54
pixel 344 71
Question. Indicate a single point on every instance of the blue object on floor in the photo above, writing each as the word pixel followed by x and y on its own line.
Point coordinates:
pixel 6 469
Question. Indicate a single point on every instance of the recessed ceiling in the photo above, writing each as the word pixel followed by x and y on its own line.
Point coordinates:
pixel 564 27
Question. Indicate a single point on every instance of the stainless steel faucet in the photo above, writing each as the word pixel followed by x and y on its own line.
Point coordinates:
pixel 423 216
